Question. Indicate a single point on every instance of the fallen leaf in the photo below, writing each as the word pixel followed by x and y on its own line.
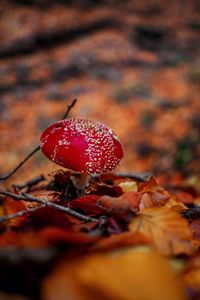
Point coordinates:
pixel 168 231
pixel 153 195
pixel 11 206
pixel 148 185
pixel 48 216
pixel 175 204
pixel 124 276
pixel 184 197
pixel 128 186
pixel 120 206
pixel 86 205
pixel 56 235
pixel 124 239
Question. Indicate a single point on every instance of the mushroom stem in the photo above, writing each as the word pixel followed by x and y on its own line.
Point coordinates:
pixel 80 181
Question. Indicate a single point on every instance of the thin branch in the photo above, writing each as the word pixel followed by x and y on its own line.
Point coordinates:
pixel 29 184
pixel 20 213
pixel 67 210
pixel 69 107
pixel 37 148
pixel 135 176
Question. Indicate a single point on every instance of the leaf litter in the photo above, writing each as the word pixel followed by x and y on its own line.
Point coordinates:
pixel 129 242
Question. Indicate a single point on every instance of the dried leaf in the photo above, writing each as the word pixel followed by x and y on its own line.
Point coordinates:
pixel 48 216
pixel 124 276
pixel 153 195
pixel 125 239
pixel 168 231
pixel 86 205
pixel 148 185
pixel 175 204
pixel 11 206
pixel 185 197
pixel 56 235
pixel 120 206
pixel 128 186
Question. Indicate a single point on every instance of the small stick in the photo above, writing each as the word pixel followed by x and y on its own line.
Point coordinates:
pixel 29 184
pixel 36 149
pixel 135 176
pixel 20 213
pixel 69 107
pixel 67 210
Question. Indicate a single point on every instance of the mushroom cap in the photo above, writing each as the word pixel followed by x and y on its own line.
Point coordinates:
pixel 82 145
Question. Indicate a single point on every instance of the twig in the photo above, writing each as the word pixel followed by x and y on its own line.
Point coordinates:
pixel 67 210
pixel 69 107
pixel 29 184
pixel 20 213
pixel 37 148
pixel 135 176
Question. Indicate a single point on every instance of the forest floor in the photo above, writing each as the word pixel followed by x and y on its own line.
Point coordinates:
pixel 135 66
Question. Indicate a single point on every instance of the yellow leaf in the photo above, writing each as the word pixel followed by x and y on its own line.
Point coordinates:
pixel 168 231
pixel 127 276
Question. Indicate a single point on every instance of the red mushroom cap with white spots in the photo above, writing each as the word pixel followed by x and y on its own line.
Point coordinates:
pixel 82 145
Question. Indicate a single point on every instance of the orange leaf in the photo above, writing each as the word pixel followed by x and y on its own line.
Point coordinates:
pixel 129 275
pixel 124 239
pixel 148 186
pixel 168 231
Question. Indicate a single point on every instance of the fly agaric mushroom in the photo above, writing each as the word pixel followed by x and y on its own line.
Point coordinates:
pixel 84 146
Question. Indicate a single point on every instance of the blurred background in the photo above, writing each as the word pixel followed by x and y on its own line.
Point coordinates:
pixel 134 65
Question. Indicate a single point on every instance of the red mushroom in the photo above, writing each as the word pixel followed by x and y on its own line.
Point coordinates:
pixel 84 146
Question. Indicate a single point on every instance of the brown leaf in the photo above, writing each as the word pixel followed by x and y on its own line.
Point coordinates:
pixel 120 206
pixel 128 275
pixel 153 195
pixel 168 231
